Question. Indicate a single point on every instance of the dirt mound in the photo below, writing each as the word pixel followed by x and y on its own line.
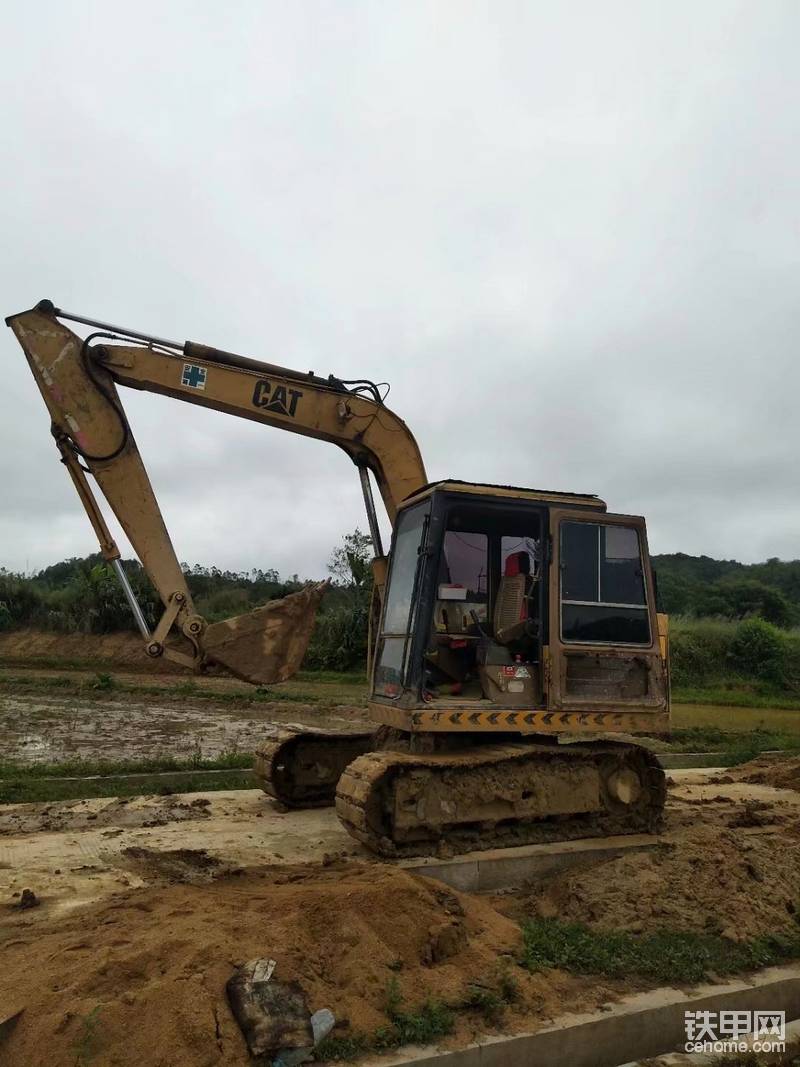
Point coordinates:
pixel 125 650
pixel 188 865
pixel 123 812
pixel 714 881
pixel 777 771
pixel 141 979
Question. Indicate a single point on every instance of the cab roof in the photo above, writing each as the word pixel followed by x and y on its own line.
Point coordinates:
pixel 514 492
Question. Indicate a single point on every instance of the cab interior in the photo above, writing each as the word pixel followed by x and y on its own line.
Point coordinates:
pixel 486 628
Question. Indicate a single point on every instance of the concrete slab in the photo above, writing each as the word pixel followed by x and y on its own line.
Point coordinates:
pixel 508 868
pixel 685 760
pixel 639 1027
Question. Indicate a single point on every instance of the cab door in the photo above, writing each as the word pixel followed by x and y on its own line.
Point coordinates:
pixel 604 652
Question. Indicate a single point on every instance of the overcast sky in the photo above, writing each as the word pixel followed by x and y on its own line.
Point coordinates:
pixel 566 233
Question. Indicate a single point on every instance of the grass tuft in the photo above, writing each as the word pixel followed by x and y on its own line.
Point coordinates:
pixel 664 956
pixel 335 1049
pixel 488 1002
pixel 86 1040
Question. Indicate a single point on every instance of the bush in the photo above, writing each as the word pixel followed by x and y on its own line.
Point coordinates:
pixel 700 652
pixel 20 601
pixel 339 641
pixel 340 638
pixel 93 601
pixel 752 653
pixel 760 650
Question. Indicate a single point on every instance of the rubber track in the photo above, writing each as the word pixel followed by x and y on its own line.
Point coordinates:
pixel 367 783
pixel 272 754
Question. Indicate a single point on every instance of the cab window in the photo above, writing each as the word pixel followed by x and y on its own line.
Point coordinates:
pixel 603 591
pixel 400 609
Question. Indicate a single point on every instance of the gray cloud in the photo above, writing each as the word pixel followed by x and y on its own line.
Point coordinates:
pixel 566 234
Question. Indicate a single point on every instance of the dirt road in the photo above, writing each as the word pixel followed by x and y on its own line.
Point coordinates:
pixel 146 906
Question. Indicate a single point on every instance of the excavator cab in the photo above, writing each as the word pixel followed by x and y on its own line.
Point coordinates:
pixel 500 598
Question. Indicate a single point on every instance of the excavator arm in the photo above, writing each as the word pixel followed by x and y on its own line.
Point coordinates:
pixel 78 379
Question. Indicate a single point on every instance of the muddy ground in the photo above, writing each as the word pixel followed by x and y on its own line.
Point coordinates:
pixel 48 728
pixel 144 906
pixel 52 715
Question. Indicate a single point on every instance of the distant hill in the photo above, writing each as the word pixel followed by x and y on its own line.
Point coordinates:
pixel 700 586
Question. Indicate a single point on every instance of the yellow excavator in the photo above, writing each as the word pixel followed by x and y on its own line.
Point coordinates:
pixel 515 646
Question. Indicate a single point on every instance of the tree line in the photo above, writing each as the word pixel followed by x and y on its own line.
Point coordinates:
pixel 83 596
pixel 699 587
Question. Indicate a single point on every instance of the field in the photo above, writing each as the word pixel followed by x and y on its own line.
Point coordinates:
pixel 83 727
pixel 128 810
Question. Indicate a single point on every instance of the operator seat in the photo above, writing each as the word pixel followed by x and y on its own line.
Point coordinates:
pixel 512 607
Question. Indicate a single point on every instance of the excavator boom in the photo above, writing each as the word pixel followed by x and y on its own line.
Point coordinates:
pixel 78 379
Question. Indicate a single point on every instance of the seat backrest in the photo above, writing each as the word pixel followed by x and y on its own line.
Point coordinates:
pixel 511 606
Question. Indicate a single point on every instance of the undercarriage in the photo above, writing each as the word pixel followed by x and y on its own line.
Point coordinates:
pixel 469 794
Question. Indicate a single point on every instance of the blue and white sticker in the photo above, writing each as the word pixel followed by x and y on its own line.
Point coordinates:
pixel 194 376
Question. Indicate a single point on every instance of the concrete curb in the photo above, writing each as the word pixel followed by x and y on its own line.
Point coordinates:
pixel 700 1059
pixel 639 1027
pixel 508 868
pixel 680 761
pixel 716 760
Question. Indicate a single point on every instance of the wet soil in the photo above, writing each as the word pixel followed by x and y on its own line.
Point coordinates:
pixel 42 727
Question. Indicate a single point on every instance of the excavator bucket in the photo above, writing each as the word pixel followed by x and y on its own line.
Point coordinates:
pixel 268 644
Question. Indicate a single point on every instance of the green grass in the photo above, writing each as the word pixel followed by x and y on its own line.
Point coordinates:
pixel 326 690
pixel 489 1002
pixel 337 1049
pixel 662 957
pixel 84 768
pixel 30 790
pixel 731 696
pixel 736 719
pixel 422 1025
pixel 87 1037
pixel 26 783
pixel 426 1023
pixel 736 747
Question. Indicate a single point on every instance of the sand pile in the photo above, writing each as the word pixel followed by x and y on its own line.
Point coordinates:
pixel 777 771
pixel 724 881
pixel 152 965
